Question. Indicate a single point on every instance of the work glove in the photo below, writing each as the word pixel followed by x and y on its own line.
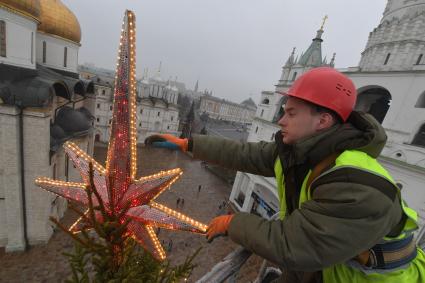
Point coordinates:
pixel 167 141
pixel 218 227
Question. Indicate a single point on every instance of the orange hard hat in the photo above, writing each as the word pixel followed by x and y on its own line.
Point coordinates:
pixel 326 87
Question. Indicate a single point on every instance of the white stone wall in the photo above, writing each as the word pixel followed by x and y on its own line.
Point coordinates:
pixel 20 40
pixel 40 205
pixel 11 227
pixel 412 179
pixel 55 52
pixel 397 9
pixel 403 118
pixel 36 152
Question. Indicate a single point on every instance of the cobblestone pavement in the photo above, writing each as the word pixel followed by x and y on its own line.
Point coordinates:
pixel 45 263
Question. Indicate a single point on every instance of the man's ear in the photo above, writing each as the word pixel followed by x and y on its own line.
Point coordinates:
pixel 326 120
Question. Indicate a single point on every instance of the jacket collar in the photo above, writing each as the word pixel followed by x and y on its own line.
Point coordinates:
pixel 361 132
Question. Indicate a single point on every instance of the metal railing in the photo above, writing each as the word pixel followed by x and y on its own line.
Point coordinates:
pixel 228 268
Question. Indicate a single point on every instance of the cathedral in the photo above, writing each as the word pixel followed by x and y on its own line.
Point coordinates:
pixel 43 103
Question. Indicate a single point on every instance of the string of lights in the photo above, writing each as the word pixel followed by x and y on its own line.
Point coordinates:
pixel 116 183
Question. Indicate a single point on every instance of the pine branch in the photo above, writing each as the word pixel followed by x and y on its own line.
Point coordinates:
pixel 63 228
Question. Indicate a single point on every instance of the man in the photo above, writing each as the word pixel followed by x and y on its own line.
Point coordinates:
pixel 341 215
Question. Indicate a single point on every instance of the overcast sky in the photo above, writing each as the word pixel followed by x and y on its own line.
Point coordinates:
pixel 236 48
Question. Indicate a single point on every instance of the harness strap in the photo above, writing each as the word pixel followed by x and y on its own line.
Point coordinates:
pixel 321 167
pixel 389 255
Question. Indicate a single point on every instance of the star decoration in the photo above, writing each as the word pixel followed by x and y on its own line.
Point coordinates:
pixel 116 183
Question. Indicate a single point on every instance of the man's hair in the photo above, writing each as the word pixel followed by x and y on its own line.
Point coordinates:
pixel 317 109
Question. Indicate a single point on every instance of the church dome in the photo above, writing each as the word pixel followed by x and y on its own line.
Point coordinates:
pixel 56 19
pixel 29 8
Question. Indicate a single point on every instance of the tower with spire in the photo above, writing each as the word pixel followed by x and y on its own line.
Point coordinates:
pixel 309 59
pixel 196 86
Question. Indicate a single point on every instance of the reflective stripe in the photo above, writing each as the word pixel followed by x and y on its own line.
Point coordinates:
pixel 278 171
pixel 353 272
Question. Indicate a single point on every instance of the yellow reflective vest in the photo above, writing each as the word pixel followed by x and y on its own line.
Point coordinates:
pixel 342 272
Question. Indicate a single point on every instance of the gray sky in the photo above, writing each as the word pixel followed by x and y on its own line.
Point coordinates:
pixel 234 47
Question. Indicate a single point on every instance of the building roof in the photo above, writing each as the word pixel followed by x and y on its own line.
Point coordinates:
pixel 249 103
pixel 313 56
pixel 103 81
pixel 69 123
pixel 35 88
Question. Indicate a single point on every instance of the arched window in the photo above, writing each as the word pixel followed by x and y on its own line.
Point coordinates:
pixel 44 51
pixel 419 138
pixel 265 101
pixel 67 166
pixel 2 38
pixel 54 172
pixel 375 101
pixel 421 101
pixel 294 76
pixel 387 58
pixel 65 55
pixel 418 62
pixel 32 48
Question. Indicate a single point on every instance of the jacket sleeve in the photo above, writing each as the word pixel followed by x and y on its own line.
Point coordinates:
pixel 340 222
pixel 256 158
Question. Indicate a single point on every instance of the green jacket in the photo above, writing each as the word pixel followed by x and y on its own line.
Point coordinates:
pixel 342 219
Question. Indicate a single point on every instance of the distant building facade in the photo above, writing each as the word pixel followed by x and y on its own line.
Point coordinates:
pixel 157 110
pixel 222 109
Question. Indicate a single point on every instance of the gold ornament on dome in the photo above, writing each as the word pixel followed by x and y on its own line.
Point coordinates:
pixel 28 8
pixel 56 19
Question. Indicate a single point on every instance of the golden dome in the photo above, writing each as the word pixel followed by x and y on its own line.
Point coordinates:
pixel 56 19
pixel 28 8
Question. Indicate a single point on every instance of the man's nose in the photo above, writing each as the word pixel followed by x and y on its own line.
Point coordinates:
pixel 282 120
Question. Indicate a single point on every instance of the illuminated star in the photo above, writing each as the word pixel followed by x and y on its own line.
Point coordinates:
pixel 121 164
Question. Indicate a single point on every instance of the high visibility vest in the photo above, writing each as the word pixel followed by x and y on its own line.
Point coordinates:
pixel 412 273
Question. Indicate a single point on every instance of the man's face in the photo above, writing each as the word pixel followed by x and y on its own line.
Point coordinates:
pixel 299 121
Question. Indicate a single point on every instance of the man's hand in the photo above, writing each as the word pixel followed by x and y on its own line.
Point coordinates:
pixel 167 141
pixel 218 227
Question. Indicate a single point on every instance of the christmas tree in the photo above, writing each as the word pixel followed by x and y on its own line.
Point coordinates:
pixel 104 252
